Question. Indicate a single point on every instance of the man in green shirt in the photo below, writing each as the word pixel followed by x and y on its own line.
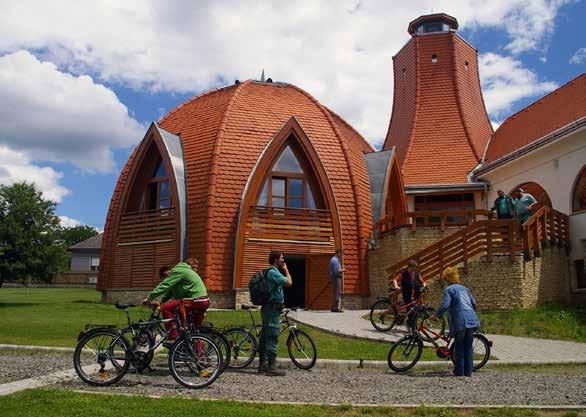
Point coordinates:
pixel 271 314
pixel 183 283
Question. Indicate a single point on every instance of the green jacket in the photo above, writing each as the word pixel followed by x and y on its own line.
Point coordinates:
pixel 182 282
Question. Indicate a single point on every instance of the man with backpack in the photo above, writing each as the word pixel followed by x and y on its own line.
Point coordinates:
pixel 271 313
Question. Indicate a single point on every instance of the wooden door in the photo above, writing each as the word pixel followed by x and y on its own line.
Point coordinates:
pixel 318 286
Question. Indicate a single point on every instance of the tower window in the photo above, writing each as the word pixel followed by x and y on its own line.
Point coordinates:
pixel 466 65
pixel 404 70
pixel 157 195
pixel 434 58
pixel 433 26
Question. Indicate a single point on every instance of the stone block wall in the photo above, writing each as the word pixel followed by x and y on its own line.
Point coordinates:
pixel 393 247
pixel 217 299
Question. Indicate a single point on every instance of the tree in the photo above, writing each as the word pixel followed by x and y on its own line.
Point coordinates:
pixel 28 231
pixel 69 236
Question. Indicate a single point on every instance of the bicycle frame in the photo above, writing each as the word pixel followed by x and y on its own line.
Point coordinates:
pixel 256 328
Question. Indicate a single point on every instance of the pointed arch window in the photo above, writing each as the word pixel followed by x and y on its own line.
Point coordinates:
pixel 157 195
pixel 579 192
pixel 288 184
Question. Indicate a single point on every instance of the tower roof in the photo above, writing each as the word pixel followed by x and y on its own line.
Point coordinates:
pixel 450 21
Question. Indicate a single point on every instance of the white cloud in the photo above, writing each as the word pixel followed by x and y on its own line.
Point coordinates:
pixel 341 52
pixel 16 167
pixel 579 56
pixel 69 222
pixel 52 115
pixel 505 81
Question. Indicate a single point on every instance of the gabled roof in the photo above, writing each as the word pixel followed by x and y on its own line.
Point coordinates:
pixel 550 113
pixel 93 243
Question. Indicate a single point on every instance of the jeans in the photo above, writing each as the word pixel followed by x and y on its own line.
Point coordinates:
pixel 464 355
pixel 271 327
pixel 336 293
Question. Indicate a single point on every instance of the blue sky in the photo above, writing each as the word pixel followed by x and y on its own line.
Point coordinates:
pixel 80 82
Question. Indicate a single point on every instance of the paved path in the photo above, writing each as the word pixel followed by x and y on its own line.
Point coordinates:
pixel 507 348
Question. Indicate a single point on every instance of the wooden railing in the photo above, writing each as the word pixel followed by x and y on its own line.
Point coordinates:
pixel 432 218
pixel 483 237
pixel 147 226
pixel 546 225
pixel 290 224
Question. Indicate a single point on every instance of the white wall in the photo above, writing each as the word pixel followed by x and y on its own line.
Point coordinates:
pixel 554 167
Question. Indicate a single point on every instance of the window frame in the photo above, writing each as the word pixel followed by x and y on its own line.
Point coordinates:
pixel 159 180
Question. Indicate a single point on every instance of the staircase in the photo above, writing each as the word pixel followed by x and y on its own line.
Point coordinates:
pixel 488 238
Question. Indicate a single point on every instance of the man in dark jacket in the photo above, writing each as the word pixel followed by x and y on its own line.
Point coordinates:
pixel 504 206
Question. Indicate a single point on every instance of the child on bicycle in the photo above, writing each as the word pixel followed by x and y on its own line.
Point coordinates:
pixel 182 283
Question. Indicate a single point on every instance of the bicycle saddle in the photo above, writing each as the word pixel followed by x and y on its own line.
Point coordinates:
pixel 122 306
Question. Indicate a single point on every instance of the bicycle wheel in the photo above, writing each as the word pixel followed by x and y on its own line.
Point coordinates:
pixel 423 322
pixel 195 362
pixel 243 347
pixel 221 342
pixel 480 349
pixel 383 315
pixel 101 357
pixel 405 353
pixel 301 349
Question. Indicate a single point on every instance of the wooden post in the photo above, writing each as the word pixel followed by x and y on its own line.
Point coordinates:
pixel 512 240
pixel 443 221
pixel 488 242
pixel 536 242
pixel 465 250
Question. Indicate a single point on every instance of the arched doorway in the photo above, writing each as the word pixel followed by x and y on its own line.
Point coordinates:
pixel 579 192
pixel 289 206
pixel 536 191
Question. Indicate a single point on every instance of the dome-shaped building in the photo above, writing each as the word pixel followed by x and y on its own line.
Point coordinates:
pixel 235 173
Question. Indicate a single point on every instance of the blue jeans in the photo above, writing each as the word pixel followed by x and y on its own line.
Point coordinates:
pixel 464 355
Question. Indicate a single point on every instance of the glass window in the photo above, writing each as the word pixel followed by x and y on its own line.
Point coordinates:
pixel 152 195
pixel 94 264
pixel 288 162
pixel 160 171
pixel 296 187
pixel 309 197
pixel 263 200
pixel 278 187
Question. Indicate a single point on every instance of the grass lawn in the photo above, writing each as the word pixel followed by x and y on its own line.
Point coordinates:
pixel 548 321
pixel 55 316
pixel 51 402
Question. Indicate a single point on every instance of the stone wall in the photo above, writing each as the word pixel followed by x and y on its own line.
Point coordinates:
pixel 217 299
pixel 501 284
pixel 393 247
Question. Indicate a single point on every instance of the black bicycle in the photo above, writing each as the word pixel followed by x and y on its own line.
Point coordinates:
pixel 244 342
pixel 104 354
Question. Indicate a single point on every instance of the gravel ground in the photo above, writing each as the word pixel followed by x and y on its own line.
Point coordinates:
pixel 17 365
pixel 367 387
pixel 491 386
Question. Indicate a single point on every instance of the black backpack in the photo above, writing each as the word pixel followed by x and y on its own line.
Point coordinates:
pixel 259 288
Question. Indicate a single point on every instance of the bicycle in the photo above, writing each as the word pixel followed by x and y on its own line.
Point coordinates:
pixel 388 312
pixel 103 355
pixel 244 342
pixel 406 352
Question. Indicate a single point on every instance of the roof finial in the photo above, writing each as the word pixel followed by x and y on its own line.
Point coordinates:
pixel 262 76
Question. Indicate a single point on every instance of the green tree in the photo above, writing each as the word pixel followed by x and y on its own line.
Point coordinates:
pixel 28 231
pixel 69 236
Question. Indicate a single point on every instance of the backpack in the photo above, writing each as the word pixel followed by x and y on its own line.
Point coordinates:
pixel 259 288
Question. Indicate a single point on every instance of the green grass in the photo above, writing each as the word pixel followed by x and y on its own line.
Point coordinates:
pixel 56 402
pixel 55 316
pixel 548 321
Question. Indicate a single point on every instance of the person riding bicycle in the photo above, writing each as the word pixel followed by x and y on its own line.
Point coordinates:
pixel 182 283
pixel 409 282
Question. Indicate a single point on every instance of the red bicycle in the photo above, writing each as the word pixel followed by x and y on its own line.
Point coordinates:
pixel 389 312
pixel 406 352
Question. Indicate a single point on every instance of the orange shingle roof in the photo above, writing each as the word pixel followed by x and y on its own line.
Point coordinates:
pixel 223 134
pixel 551 112
pixel 439 124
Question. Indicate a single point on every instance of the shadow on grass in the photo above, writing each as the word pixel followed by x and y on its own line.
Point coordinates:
pixel 5 305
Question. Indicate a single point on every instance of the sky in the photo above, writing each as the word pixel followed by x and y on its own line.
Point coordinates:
pixel 81 81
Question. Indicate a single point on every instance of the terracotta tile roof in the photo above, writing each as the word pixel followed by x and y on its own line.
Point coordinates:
pixel 224 133
pixel 439 124
pixel 548 114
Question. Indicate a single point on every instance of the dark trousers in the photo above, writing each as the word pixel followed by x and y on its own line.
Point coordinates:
pixel 336 293
pixel 505 216
pixel 271 327
pixel 464 355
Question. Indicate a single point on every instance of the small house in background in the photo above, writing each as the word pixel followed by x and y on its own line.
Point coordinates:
pixel 85 263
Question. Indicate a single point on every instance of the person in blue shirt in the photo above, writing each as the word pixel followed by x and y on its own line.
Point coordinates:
pixel 271 314
pixel 525 203
pixel 463 320
pixel 336 274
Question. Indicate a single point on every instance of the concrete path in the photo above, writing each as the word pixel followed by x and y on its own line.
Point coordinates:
pixel 506 348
